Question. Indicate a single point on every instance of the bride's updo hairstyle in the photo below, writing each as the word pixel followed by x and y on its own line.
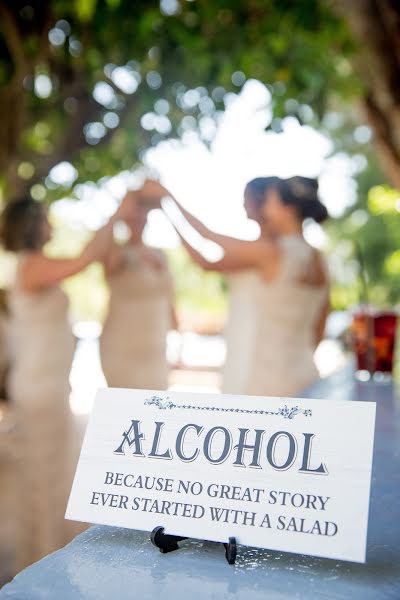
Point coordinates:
pixel 302 194
pixel 21 225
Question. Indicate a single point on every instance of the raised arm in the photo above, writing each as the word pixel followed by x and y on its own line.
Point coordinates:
pixel 238 254
pixel 224 241
pixel 38 271
pixel 252 256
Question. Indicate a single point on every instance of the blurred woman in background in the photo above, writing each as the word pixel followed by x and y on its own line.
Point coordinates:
pixel 43 347
pixel 133 344
pixel 289 293
pixel 240 328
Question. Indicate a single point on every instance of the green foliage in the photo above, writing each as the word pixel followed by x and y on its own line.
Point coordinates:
pixel 372 225
pixel 299 49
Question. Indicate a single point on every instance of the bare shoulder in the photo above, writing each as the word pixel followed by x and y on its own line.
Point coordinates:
pixel 29 268
pixel 31 261
pixel 268 250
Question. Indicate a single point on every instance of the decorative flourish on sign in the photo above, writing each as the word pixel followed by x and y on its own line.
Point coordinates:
pixel 285 411
pixel 160 403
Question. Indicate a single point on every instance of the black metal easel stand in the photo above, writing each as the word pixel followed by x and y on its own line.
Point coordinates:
pixel 168 543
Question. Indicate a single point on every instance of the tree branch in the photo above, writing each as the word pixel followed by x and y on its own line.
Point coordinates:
pixel 375 27
pixel 13 38
pixel 383 140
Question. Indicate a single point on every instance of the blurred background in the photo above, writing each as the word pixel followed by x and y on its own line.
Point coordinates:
pixel 95 95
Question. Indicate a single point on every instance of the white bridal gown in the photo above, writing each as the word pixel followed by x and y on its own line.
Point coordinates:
pixel 239 331
pixel 277 357
pixel 134 338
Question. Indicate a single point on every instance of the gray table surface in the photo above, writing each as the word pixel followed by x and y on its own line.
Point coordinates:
pixel 114 563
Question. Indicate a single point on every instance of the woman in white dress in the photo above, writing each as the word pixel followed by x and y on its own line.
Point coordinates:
pixel 141 312
pixel 240 327
pixel 290 292
pixel 43 347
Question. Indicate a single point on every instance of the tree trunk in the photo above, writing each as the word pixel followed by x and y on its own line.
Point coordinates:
pixel 376 27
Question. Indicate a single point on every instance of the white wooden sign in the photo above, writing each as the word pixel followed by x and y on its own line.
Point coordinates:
pixel 285 474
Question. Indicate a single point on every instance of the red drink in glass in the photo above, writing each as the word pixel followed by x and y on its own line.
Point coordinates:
pixel 373 336
pixel 384 331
